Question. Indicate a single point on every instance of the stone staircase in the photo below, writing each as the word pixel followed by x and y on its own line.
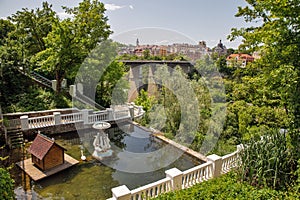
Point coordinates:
pixel 43 81
pixel 15 138
pixel 40 79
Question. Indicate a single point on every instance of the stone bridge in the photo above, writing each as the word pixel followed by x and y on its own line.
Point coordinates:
pixel 141 74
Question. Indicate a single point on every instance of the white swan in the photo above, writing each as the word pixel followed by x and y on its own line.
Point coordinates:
pixel 82 156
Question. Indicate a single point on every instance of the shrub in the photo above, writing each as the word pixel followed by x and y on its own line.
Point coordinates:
pixel 6 185
pixel 268 161
pixel 226 187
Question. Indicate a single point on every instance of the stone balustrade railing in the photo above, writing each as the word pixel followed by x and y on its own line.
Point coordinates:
pixel 100 116
pixel 86 116
pixel 177 180
pixel 70 118
pixel 228 162
pixel 197 174
pixel 153 189
pixel 38 122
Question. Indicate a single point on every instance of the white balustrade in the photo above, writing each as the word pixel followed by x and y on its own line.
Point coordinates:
pixel 229 161
pixel 216 165
pixel 121 114
pixel 152 190
pixel 197 174
pixel 71 118
pixel 100 116
pixel 38 122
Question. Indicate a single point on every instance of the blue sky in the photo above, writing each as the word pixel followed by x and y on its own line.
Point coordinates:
pixel 195 20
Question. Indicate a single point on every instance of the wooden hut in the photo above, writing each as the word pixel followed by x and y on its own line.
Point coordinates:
pixel 45 153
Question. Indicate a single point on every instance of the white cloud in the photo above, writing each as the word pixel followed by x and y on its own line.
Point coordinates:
pixel 131 7
pixel 63 15
pixel 112 7
pixel 5 18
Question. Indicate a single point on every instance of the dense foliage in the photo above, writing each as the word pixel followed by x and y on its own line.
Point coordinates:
pixel 38 40
pixel 226 187
pixel 269 161
pixel 6 185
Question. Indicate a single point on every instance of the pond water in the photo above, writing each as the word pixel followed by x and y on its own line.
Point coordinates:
pixel 93 179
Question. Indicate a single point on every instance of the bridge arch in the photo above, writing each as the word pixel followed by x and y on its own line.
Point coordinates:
pixel 141 74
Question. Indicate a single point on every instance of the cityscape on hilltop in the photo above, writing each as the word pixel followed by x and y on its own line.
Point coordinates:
pixel 191 51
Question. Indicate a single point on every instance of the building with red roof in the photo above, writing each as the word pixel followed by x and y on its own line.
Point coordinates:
pixel 239 59
pixel 45 153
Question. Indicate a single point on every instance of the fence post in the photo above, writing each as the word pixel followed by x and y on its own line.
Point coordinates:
pixel 121 193
pixel 176 178
pixel 217 164
pixel 72 91
pixel 85 116
pixel 57 118
pixel 239 147
pixel 140 109
pixel 131 112
pixel 54 84
pixel 24 122
pixel 110 113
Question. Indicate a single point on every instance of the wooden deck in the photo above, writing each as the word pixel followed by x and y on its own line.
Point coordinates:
pixel 36 174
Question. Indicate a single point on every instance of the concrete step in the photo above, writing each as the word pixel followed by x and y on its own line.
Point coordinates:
pixel 15 139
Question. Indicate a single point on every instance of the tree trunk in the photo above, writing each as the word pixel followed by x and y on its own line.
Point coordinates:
pixel 59 79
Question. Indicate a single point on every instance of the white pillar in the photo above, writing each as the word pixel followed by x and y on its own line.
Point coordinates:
pixel 54 83
pixel 110 113
pixel 131 111
pixel 57 118
pixel 217 164
pixel 176 178
pixel 24 122
pixel 64 83
pixel 85 116
pixel 121 193
pixel 72 91
pixel 239 147
pixel 140 109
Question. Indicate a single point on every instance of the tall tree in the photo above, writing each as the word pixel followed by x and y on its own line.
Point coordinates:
pixel 275 33
pixel 72 39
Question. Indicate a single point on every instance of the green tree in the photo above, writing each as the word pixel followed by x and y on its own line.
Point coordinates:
pixel 72 39
pixel 276 36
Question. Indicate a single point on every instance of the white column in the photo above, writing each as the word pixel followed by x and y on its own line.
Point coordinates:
pixel 24 122
pixel 110 112
pixel 176 178
pixel 217 164
pixel 72 91
pixel 140 109
pixel 131 111
pixel 54 83
pixel 121 193
pixel 85 116
pixel 239 147
pixel 64 83
pixel 57 118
